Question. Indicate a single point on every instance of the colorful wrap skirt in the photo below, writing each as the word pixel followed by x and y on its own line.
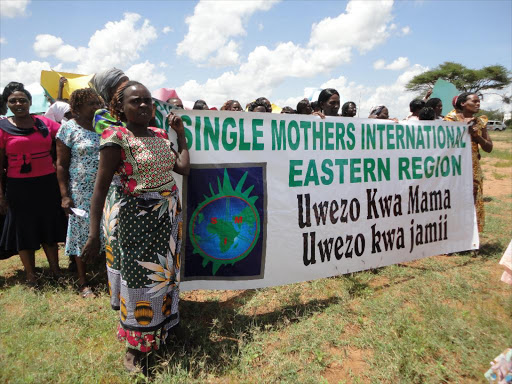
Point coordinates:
pixel 142 242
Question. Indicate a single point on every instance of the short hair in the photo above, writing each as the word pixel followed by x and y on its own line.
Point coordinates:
pixel 259 102
pixel 81 96
pixel 326 94
pixel 462 99
pixel 427 113
pixel 118 99
pixel 433 102
pixel 12 87
pixel 302 105
pixel 416 105
pixel 314 105
pixel 200 104
pixel 263 102
pixel 288 110
pixel 345 106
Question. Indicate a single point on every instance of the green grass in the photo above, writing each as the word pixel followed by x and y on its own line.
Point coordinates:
pixel 435 320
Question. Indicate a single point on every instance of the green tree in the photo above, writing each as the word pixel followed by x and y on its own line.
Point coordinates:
pixel 493 77
pixel 492 114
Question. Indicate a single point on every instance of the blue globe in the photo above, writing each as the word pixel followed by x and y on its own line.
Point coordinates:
pixel 225 229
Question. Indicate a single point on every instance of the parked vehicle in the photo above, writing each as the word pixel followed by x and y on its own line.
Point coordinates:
pixel 494 125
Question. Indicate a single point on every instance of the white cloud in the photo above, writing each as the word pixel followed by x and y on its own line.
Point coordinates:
pixel 379 64
pixel 3 40
pixel 214 24
pixel 405 31
pixel 226 55
pixel 167 29
pixel 163 64
pixel 365 25
pixel 398 64
pixel 28 73
pixel 13 8
pixel 394 96
pixel 147 74
pixel 107 47
pixel 260 27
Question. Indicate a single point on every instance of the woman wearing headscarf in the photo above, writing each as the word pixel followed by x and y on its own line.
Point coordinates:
pixel 106 84
pixel 78 150
pixel 142 224
pixel 467 105
pixel 32 200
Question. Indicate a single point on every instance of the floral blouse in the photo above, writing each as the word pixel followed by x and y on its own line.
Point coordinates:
pixel 146 162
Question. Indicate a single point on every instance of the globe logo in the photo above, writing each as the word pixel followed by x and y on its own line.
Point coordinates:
pixel 225 227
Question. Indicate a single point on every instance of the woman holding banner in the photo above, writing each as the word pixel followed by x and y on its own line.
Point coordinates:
pixel 467 105
pixel 141 220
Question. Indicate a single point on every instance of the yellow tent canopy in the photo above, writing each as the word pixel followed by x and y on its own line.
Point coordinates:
pixel 50 82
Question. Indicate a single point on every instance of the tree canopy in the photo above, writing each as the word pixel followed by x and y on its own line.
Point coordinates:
pixel 465 79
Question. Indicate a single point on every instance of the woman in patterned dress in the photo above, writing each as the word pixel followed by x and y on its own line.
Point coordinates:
pixel 141 220
pixel 78 147
pixel 467 105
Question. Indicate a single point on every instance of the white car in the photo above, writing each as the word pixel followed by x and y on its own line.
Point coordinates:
pixel 494 125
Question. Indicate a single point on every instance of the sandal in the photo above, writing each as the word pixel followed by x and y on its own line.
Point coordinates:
pixel 86 292
pixel 132 360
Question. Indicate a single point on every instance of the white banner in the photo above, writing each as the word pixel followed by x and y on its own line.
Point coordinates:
pixel 276 199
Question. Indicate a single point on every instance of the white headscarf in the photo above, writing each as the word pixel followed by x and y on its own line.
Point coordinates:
pixel 57 111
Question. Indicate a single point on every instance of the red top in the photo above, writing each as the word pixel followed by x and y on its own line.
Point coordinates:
pixel 34 147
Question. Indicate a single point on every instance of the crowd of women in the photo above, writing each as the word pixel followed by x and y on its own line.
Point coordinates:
pixel 107 164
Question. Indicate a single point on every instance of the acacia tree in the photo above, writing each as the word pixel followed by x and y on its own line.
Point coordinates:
pixel 493 77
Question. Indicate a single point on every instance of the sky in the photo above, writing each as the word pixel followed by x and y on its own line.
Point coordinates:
pixel 283 50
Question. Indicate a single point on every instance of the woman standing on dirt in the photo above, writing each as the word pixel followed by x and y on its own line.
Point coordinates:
pixel 141 220
pixel 467 105
pixel 78 147
pixel 32 200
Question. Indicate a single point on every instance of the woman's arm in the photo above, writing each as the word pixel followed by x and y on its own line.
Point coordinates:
pixel 110 158
pixel 182 165
pixel 3 201
pixel 485 140
pixel 63 160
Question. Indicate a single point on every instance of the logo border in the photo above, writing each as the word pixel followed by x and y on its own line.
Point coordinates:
pixel 185 214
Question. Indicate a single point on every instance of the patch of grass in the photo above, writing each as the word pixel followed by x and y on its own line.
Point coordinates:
pixel 498 176
pixel 497 154
pixel 503 164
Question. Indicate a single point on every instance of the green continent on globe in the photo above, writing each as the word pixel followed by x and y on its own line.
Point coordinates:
pixel 225 231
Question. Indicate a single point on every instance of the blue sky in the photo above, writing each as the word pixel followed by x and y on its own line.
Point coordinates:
pixel 283 50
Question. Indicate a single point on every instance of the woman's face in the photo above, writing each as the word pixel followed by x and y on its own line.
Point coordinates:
pixel 472 104
pixel 235 106
pixel 332 106
pixel 19 104
pixel 384 114
pixel 439 109
pixel 351 110
pixel 137 105
pixel 88 109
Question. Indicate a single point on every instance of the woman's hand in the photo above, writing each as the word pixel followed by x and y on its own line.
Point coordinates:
pixel 67 204
pixel 318 114
pixel 91 250
pixel 471 130
pixel 3 206
pixel 176 123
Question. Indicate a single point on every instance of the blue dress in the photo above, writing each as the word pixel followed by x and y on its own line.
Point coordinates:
pixel 85 155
